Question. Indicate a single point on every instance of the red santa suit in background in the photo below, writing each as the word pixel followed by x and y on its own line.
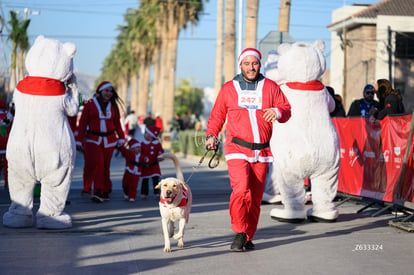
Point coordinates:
pixel 151 148
pixel 99 132
pixel 248 134
pixel 6 118
pixel 132 171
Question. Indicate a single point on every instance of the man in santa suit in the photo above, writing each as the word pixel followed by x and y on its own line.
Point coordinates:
pixel 251 103
pixel 99 132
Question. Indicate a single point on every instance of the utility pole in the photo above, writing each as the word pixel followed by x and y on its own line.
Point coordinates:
pixel 344 45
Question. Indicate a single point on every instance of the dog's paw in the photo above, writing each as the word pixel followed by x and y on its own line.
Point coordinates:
pixel 167 249
pixel 178 236
pixel 180 243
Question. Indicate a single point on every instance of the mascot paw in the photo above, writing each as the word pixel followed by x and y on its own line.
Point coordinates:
pixel 17 221
pixel 272 199
pixel 62 221
pixel 288 215
pixel 323 215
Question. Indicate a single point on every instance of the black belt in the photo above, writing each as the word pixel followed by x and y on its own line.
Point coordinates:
pixel 140 165
pixel 102 134
pixel 250 145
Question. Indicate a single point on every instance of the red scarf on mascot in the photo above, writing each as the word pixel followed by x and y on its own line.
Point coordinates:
pixel 35 85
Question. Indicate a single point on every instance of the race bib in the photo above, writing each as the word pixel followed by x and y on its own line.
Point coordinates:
pixel 250 99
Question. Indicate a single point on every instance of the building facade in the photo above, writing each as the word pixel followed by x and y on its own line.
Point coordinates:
pixel 370 42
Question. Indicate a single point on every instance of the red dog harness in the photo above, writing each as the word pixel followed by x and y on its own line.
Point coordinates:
pixel 183 201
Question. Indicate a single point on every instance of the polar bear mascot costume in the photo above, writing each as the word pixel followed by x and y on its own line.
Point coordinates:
pixel 41 147
pixel 306 146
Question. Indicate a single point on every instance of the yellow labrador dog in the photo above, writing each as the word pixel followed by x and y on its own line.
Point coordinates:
pixel 175 204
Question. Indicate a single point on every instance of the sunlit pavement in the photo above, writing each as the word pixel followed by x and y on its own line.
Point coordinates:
pixel 120 237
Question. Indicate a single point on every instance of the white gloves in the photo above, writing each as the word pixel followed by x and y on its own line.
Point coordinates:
pixel 120 142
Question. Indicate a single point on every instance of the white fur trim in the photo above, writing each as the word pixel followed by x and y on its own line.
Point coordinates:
pixel 246 53
pixel 150 133
pixel 103 87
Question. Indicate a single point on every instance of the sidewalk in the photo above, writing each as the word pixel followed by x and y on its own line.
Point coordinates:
pixel 119 237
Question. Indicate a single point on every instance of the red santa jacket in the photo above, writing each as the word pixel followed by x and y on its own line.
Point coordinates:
pixel 244 112
pixel 131 160
pixel 97 127
pixel 150 150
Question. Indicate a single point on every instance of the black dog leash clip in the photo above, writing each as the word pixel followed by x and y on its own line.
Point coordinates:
pixel 214 160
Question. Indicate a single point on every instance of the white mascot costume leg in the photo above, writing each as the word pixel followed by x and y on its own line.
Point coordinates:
pixel 41 145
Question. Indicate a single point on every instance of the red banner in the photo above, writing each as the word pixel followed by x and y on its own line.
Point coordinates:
pixel 372 154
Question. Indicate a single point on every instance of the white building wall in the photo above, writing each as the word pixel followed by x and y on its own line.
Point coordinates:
pixel 396 23
pixel 337 54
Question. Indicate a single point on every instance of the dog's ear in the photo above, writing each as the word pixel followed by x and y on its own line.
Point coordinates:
pixel 158 186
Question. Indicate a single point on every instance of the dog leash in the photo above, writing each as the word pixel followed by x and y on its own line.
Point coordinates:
pixel 212 163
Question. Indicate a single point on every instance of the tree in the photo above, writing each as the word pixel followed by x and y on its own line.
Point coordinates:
pixel 251 23
pixel 229 41
pixel 20 43
pixel 178 14
pixel 218 81
pixel 188 99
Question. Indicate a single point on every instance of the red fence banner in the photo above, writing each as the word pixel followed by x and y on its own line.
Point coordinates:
pixel 372 154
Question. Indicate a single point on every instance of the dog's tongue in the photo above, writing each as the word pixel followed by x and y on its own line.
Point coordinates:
pixel 168 200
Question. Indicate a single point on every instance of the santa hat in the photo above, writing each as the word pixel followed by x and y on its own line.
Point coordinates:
pixel 103 86
pixel 250 51
pixel 133 143
pixel 152 131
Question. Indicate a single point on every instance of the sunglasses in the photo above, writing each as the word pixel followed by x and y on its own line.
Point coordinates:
pixel 369 92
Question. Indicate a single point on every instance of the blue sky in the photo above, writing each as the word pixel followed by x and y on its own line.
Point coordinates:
pixel 92 26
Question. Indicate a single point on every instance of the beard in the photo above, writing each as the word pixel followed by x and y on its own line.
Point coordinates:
pixel 250 78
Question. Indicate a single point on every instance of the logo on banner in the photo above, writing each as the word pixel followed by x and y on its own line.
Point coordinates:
pixel 385 156
pixel 342 153
pixel 353 156
pixel 397 151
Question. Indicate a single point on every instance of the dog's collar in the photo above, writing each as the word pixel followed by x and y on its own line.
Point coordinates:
pixel 183 201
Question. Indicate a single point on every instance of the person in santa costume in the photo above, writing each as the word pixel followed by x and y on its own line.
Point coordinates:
pixel 6 117
pixel 132 170
pixel 250 103
pixel 99 132
pixel 151 148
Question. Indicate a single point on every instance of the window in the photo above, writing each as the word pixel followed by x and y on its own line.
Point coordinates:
pixel 404 45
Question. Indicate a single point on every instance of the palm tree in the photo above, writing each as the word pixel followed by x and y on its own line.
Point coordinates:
pixel 146 27
pixel 229 40
pixel 18 36
pixel 251 23
pixel 218 82
pixel 179 13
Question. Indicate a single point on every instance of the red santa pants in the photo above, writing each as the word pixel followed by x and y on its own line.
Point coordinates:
pixel 247 181
pixel 130 184
pixel 97 168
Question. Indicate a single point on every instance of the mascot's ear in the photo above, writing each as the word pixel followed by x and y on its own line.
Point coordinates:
pixel 39 38
pixel 319 44
pixel 70 49
pixel 283 48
